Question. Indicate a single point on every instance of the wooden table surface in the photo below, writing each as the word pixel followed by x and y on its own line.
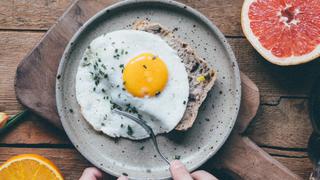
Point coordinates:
pixel 281 126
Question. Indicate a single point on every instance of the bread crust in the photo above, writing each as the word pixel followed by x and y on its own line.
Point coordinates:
pixel 201 76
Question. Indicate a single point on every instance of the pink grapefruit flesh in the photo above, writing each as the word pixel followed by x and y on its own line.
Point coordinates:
pixel 285 32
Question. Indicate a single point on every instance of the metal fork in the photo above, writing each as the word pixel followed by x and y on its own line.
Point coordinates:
pixel 146 128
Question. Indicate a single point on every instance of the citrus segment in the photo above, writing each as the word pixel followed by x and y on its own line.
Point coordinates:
pixel 285 32
pixel 29 166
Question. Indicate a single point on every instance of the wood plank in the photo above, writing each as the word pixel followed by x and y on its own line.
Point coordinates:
pixel 274 81
pixel 34 130
pixel 11 53
pixel 31 14
pixel 41 15
pixel 300 166
pixel 285 125
pixel 71 163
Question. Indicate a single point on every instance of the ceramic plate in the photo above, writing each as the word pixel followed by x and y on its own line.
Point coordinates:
pixel 216 116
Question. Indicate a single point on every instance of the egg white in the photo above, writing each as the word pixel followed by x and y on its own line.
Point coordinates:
pixel 162 112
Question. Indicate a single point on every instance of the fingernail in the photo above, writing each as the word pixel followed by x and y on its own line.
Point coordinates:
pixel 176 164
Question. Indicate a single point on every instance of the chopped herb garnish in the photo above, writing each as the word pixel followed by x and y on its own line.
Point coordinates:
pixel 154 57
pixel 142 148
pixel 121 65
pixel 124 83
pixel 71 110
pixel 177 157
pixel 144 66
pixel 129 130
pixel 100 72
pixel 184 102
pixel 89 47
pixel 85 64
pixel 121 125
pixel 122 51
pixel 99 60
pixel 102 124
pixel 105 76
pixel 85 58
pixel 116 50
pixel 96 82
pixel 103 66
pixel 158 93
pixel 115 106
pixel 103 90
pixel 126 52
pixel 123 89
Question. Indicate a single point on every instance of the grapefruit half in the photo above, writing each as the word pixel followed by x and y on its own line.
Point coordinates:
pixel 285 32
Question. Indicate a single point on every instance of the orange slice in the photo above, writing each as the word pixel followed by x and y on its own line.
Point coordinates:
pixel 285 32
pixel 29 167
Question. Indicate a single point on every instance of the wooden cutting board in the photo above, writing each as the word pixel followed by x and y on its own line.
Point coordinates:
pixel 35 88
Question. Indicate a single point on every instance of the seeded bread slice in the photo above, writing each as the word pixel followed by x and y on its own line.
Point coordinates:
pixel 201 76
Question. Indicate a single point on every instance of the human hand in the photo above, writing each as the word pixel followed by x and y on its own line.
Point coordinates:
pixel 91 173
pixel 177 169
pixel 180 172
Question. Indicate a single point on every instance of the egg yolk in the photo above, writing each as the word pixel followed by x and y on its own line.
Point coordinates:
pixel 145 75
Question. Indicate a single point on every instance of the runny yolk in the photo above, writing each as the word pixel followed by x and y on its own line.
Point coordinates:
pixel 145 75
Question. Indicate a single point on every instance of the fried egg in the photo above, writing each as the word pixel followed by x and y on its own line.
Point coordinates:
pixel 136 72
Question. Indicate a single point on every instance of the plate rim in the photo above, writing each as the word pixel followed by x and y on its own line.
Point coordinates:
pixel 212 27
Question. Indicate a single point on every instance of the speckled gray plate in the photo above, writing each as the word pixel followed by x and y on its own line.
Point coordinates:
pixel 217 114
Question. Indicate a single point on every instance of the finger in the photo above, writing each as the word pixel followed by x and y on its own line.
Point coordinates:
pixel 123 178
pixel 202 175
pixel 91 173
pixel 179 171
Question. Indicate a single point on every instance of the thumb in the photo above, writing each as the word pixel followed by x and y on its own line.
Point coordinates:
pixel 179 171
pixel 91 174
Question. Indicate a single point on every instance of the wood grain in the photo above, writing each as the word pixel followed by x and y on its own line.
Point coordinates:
pixel 247 160
pixel 31 14
pixel 285 125
pixel 40 15
pixel 35 131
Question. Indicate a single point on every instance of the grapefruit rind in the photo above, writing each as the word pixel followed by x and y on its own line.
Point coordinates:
pixel 41 160
pixel 254 41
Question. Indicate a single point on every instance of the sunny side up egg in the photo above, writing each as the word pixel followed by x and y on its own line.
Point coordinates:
pixel 133 71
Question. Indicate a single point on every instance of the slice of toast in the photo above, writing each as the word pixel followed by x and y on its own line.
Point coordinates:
pixel 201 76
